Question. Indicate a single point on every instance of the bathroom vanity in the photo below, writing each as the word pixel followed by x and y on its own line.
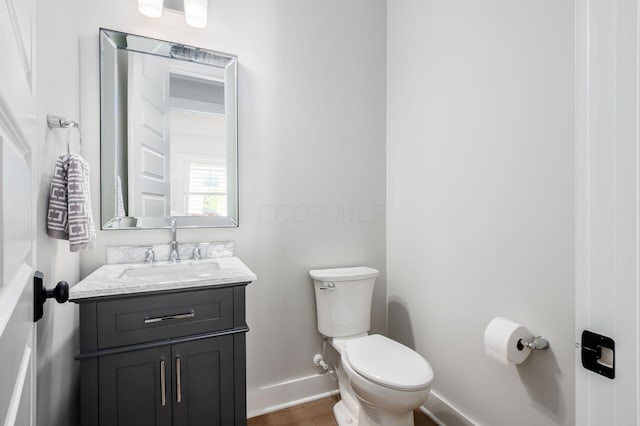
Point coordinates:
pixel 157 349
pixel 163 343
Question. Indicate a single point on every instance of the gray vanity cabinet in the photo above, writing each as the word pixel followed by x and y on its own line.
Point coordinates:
pixel 164 359
pixel 131 390
pixel 205 372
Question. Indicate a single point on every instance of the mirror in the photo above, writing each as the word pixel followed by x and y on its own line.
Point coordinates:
pixel 168 134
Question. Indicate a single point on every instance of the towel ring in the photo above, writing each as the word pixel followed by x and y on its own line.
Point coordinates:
pixel 57 122
pixel 69 140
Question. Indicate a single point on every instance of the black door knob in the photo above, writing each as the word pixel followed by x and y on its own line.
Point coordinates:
pixel 40 294
pixel 60 292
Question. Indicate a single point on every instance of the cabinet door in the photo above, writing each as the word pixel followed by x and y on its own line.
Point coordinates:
pixel 135 388
pixel 203 392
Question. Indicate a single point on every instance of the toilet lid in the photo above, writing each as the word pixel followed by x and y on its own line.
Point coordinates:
pixel 388 363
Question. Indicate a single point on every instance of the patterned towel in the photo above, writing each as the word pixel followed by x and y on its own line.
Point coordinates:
pixel 69 216
pixel 57 216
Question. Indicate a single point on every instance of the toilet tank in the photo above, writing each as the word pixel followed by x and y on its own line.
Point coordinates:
pixel 343 300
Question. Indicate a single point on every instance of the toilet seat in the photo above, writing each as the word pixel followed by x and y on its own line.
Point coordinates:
pixel 388 363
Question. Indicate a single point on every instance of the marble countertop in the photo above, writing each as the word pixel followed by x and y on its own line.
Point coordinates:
pixel 112 280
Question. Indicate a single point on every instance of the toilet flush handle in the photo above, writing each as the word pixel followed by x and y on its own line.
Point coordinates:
pixel 327 286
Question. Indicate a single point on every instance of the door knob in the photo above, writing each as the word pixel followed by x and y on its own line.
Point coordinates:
pixel 40 294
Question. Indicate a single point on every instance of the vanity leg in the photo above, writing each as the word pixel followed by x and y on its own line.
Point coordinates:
pixel 240 385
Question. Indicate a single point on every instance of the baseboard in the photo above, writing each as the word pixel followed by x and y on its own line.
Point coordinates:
pixel 286 394
pixel 278 396
pixel 444 413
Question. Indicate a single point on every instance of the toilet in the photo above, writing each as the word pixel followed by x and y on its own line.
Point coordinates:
pixel 380 381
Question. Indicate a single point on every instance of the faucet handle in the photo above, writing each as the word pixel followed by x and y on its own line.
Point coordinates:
pixel 150 256
pixel 196 252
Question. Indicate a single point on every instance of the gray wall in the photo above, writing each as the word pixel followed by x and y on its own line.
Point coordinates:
pixel 311 149
pixel 480 198
pixel 57 92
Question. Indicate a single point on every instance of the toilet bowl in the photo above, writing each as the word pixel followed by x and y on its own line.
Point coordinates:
pixel 380 381
pixel 389 380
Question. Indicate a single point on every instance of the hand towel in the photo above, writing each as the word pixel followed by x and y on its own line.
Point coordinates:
pixel 69 216
pixel 57 215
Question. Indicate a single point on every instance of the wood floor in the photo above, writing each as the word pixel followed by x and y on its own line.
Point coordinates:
pixel 315 413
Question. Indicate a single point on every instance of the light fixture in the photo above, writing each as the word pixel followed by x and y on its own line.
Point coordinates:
pixel 195 13
pixel 150 8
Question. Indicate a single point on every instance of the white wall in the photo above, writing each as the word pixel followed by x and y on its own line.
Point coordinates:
pixel 480 197
pixel 311 149
pixel 57 92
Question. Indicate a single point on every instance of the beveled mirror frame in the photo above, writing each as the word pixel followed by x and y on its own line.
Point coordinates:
pixel 113 41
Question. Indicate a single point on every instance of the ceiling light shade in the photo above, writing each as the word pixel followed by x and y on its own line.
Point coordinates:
pixel 195 13
pixel 150 8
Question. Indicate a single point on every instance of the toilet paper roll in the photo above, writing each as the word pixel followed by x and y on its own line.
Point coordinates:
pixel 501 339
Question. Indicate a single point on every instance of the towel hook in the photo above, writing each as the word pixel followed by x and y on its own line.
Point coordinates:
pixel 57 122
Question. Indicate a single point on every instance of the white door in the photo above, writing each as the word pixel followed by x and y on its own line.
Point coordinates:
pixel 148 128
pixel 17 223
pixel 608 205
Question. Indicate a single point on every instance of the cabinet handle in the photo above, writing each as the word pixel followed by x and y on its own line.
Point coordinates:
pixel 170 317
pixel 163 385
pixel 178 376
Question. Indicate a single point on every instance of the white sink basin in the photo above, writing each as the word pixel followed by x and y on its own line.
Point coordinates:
pixel 186 271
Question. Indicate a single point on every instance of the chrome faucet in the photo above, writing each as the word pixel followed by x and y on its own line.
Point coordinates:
pixel 174 256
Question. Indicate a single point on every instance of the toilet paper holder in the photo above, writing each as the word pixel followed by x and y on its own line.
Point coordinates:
pixel 536 343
